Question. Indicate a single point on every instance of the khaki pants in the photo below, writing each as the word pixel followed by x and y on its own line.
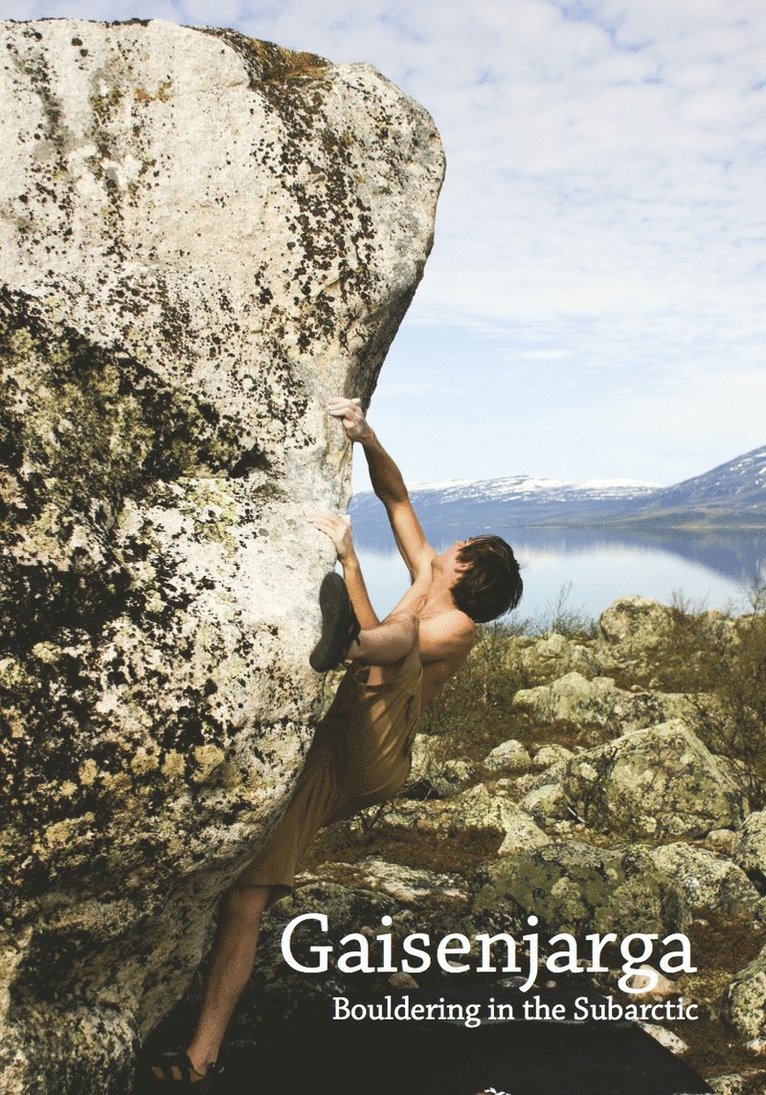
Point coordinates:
pixel 360 756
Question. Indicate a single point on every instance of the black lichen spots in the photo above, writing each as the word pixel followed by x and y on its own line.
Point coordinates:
pixel 333 222
pixel 82 428
pixel 249 460
pixel 49 164
pixel 46 690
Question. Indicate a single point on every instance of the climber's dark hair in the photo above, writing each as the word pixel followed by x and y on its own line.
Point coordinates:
pixel 491 584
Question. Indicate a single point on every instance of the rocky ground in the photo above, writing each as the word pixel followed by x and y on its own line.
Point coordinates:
pixel 571 777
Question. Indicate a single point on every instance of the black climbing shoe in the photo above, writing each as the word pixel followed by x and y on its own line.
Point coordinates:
pixel 339 624
pixel 177 1073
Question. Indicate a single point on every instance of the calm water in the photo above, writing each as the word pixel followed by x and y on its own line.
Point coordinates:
pixel 591 568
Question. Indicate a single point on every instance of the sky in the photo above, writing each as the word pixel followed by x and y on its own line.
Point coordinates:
pixel 594 303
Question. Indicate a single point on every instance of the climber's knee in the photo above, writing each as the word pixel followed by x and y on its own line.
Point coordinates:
pixel 244 901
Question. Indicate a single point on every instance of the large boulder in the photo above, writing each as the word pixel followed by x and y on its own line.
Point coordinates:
pixel 202 238
pixel 654 783
pixel 643 634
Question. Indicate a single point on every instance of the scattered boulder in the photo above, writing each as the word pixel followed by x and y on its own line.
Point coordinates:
pixel 739 1083
pixel 721 841
pixel 553 656
pixel 637 625
pixel 707 880
pixel 477 809
pixel 654 783
pixel 638 632
pixel 744 1001
pixel 509 756
pixel 549 755
pixel 749 851
pixel 648 984
pixel 666 1038
pixel 522 834
pixel 408 885
pixel 546 803
pixel 573 699
pixel 577 888
pixel 433 773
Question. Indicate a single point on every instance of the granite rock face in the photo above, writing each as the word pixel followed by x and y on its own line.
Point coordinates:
pixel 202 238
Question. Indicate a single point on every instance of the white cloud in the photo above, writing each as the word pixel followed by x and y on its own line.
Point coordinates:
pixel 603 206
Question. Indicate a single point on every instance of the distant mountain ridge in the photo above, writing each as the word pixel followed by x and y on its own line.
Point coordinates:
pixel 731 495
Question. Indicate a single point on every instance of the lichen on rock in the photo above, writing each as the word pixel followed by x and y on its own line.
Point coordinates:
pixel 202 238
pixel 577 888
pixel 658 782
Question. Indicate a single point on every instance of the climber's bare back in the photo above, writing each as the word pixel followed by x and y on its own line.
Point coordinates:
pixel 446 635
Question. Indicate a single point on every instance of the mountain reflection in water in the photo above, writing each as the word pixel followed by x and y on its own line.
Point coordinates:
pixel 593 566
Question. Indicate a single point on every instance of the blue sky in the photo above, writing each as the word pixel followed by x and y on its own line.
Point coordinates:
pixel 594 303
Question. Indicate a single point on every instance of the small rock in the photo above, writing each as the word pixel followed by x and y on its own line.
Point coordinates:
pixel 721 840
pixel 648 984
pixel 544 803
pixel 402 980
pixel 510 756
pixel 548 755
pixel 666 1038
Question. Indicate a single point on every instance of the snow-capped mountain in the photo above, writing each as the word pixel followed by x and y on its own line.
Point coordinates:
pixel 738 486
pixel 733 494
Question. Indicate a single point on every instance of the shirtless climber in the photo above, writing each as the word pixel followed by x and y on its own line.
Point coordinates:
pixel 361 750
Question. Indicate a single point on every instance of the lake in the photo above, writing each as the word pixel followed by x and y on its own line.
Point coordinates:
pixel 590 568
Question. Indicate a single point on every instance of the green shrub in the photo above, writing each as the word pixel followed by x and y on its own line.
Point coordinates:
pixel 473 709
pixel 729 664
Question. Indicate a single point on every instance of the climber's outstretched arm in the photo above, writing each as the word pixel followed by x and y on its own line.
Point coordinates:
pixel 388 484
